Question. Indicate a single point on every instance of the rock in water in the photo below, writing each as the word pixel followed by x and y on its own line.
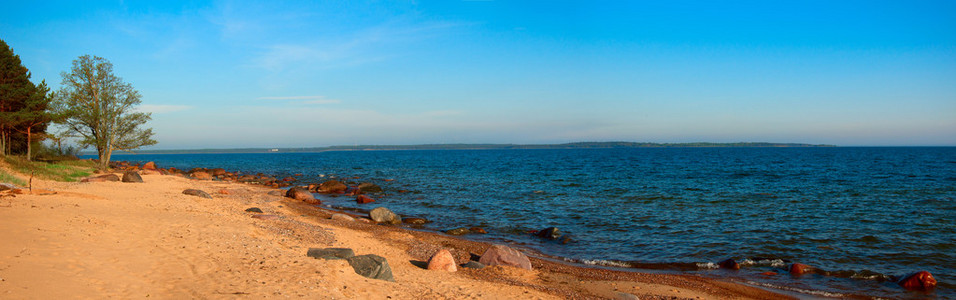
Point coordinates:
pixel 368 187
pixel 729 263
pixel 371 266
pixel 799 269
pixel 362 199
pixel 197 193
pixel 150 166
pixel 551 233
pixel 505 256
pixel 302 194
pixel 132 176
pixel 331 253
pixel 922 280
pixel 384 215
pixel 331 186
pixel 442 260
pixel 414 221
pixel 458 231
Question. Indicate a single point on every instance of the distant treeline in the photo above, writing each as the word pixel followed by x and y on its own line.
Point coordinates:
pixel 580 145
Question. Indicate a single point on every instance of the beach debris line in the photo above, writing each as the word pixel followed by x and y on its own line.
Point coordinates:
pixel 501 255
pixel 197 193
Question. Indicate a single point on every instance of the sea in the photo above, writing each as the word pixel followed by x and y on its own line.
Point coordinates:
pixel 862 216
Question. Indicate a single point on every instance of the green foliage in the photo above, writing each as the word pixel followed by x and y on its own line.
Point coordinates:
pixel 99 107
pixel 8 178
pixel 23 105
pixel 68 171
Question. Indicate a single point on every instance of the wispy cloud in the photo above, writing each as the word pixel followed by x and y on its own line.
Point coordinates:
pixel 304 99
pixel 159 108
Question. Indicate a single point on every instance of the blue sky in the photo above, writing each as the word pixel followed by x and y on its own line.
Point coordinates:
pixel 300 74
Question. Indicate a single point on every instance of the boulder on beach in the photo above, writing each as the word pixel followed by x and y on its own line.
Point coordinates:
pixel 197 193
pixel 368 187
pixel 443 261
pixel 247 178
pixel 729 263
pixel 331 187
pixel 921 281
pixel 342 217
pixel 330 253
pixel 362 199
pixel 200 175
pixel 132 176
pixel 371 266
pixel 384 215
pixel 254 210
pixel 150 166
pixel 799 269
pixel 302 194
pixel 505 256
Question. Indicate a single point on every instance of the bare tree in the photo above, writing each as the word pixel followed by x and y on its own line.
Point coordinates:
pixel 100 108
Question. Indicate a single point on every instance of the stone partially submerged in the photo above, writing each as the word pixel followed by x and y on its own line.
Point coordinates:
pixel 384 215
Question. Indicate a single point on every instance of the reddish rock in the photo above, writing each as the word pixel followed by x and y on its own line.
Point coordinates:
pixel 799 269
pixel 201 175
pixel 224 191
pixel 362 199
pixel 505 256
pixel 248 178
pixel 298 175
pixel 330 187
pixel 921 280
pixel 769 273
pixel 443 261
pixel 729 263
pixel 217 172
pixel 302 194
pixel 477 230
pixel 150 166
pixel 288 179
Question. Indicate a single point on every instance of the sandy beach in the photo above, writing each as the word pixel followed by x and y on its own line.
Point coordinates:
pixel 100 240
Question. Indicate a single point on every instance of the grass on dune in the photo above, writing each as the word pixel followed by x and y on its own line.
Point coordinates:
pixel 67 170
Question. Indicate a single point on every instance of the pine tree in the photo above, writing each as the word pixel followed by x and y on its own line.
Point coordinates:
pixel 15 90
pixel 34 116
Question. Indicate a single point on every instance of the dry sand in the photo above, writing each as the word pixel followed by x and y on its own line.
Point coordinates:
pixel 148 240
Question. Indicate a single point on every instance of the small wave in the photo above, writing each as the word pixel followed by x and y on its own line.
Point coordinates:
pixel 773 262
pixel 798 290
pixel 606 263
pixel 708 265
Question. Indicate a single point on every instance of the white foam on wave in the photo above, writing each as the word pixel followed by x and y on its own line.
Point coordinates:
pixel 707 265
pixel 798 290
pixel 777 263
pixel 606 263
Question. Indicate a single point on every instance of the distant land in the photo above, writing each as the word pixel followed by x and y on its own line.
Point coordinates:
pixel 579 145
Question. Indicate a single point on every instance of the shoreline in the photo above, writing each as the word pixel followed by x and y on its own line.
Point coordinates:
pixel 290 233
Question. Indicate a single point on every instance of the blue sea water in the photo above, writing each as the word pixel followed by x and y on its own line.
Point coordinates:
pixel 861 214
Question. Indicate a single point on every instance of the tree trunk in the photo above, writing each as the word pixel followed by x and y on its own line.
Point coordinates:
pixel 29 143
pixel 105 158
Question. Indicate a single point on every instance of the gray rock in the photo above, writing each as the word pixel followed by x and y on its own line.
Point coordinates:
pixel 197 193
pixel 132 176
pixel 371 266
pixel 254 210
pixel 626 296
pixel 384 215
pixel 331 253
pixel 473 265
